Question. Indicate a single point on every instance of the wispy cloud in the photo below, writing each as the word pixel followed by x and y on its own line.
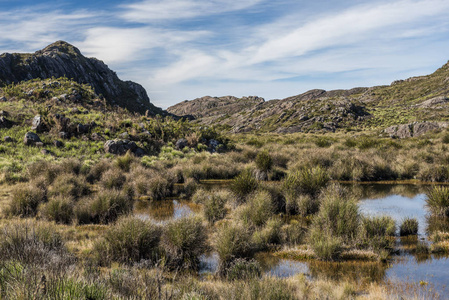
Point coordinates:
pixel 150 10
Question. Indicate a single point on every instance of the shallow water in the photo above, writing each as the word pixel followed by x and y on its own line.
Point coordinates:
pixel 164 210
pixel 396 201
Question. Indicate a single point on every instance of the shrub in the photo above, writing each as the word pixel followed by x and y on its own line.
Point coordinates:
pixel 243 185
pixel 264 161
pixel 258 209
pixel 71 166
pixel 97 170
pixel 190 187
pixel 104 207
pixel 269 234
pixel 306 181
pixel 338 214
pixel 69 185
pixel 325 245
pixel 129 240
pixel 214 207
pixel 293 233
pixel 58 209
pixel 232 241
pixel 124 162
pixel 409 226
pixel 113 179
pixel 438 200
pixel 184 240
pixel 25 200
pixel 44 169
pixel 242 269
pixel 375 232
pixel 160 187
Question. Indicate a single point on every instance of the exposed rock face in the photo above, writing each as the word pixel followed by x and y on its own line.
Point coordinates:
pixel 62 59
pixel 413 129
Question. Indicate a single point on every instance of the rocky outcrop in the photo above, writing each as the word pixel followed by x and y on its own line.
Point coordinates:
pixel 62 59
pixel 413 129
pixel 120 147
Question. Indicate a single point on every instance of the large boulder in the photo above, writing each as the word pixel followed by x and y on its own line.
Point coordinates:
pixel 413 129
pixel 181 144
pixel 120 147
pixel 31 139
pixel 5 123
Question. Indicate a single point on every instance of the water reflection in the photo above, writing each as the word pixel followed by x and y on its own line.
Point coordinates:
pixel 165 210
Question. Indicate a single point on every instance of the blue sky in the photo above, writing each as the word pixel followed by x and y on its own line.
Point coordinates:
pixel 184 49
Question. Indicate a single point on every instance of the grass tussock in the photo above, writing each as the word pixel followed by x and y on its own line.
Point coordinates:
pixel 184 240
pixel 438 200
pixel 128 241
pixel 243 185
pixel 409 226
pixel 25 200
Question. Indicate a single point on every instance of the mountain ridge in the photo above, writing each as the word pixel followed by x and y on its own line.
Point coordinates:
pixel 416 99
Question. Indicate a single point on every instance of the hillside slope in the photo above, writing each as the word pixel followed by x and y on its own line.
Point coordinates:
pixel 416 99
pixel 61 59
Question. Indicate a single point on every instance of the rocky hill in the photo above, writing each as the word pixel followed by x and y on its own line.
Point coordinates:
pixel 61 59
pixel 417 99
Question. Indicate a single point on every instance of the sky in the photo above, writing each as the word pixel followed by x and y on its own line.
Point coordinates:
pixel 185 49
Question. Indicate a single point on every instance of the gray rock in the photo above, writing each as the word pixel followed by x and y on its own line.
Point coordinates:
pixel 119 147
pixel 181 144
pixel 213 145
pixel 5 123
pixel 39 144
pixel 58 143
pixel 80 128
pixel 4 113
pixel 413 129
pixel 8 139
pixel 31 138
pixel 46 152
pixel 38 124
pixel 3 99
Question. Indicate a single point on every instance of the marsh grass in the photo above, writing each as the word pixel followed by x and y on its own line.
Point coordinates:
pixel 184 240
pixel 409 226
pixel 243 185
pixel 306 181
pixel 258 209
pixel 128 241
pixel 438 200
pixel 375 232
pixel 58 209
pixel 25 200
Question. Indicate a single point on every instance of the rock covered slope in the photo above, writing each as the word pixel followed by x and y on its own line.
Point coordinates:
pixel 417 99
pixel 61 59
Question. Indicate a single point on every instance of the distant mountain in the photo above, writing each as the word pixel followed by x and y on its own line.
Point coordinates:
pixel 61 59
pixel 417 99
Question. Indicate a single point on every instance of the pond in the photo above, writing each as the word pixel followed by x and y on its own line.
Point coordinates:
pixel 423 273
pixel 165 210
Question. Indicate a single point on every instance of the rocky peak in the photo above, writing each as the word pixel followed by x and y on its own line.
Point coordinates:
pixel 62 59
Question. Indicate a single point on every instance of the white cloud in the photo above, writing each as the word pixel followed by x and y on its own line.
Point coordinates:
pixel 119 45
pixel 150 10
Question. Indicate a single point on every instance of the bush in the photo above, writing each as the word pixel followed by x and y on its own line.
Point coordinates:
pixel 160 187
pixel 264 161
pixel 113 179
pixel 243 185
pixel 438 201
pixel 258 209
pixel 25 200
pixel 97 170
pixel 69 185
pixel 338 214
pixel 59 209
pixel 293 233
pixel 124 162
pixel 129 240
pixel 184 240
pixel 232 241
pixel 269 234
pixel 375 232
pixel 409 226
pixel 214 207
pixel 104 207
pixel 306 181
pixel 44 169
pixel 325 245
pixel 242 269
